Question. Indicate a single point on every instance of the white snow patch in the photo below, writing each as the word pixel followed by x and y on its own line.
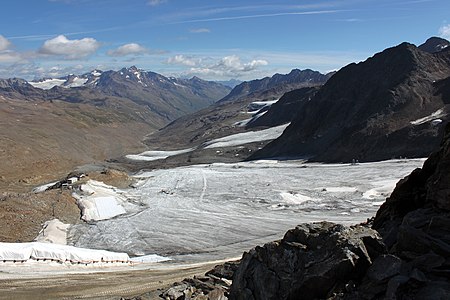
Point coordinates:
pixel 382 189
pixel 256 106
pixel 155 155
pixel 437 114
pixel 99 201
pixel 294 198
pixel 436 122
pixel 340 189
pixel 48 83
pixel 377 203
pixel 43 188
pixel 247 137
pixel 151 258
pixel 53 231
pixel 77 82
pixel 244 123
pixel 180 85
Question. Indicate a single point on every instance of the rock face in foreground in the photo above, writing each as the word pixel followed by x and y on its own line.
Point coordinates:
pixel 415 224
pixel 330 261
pixel 312 261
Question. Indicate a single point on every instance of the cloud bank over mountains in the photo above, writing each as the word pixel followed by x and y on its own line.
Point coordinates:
pixel 227 67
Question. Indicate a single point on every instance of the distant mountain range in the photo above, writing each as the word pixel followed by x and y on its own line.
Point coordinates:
pixel 395 104
pixel 52 125
pixel 169 98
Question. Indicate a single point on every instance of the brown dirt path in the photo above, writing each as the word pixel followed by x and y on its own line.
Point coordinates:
pixel 107 285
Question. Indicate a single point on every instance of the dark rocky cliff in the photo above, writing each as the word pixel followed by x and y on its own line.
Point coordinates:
pixel 373 110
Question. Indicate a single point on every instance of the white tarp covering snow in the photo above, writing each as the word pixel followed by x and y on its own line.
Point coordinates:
pixel 247 137
pixel 436 115
pixel 62 253
pixel 99 201
pixel 155 155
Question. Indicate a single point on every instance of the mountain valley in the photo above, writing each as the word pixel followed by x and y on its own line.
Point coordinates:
pixel 192 171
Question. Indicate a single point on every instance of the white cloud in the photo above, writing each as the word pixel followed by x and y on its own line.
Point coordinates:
pixel 156 2
pixel 69 49
pixel 228 66
pixel 200 30
pixel 128 49
pixel 183 60
pixel 233 64
pixel 444 31
pixel 4 43
pixel 8 56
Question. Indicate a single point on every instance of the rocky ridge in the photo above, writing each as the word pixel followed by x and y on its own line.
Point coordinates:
pixel 393 104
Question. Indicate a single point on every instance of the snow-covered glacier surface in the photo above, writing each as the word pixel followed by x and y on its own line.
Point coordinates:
pixel 208 212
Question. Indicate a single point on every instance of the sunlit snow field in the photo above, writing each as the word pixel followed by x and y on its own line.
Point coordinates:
pixel 216 211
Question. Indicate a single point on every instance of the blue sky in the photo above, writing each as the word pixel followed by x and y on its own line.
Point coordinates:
pixel 215 40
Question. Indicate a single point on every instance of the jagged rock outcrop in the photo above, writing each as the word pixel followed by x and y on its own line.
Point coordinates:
pixel 415 225
pixel 213 286
pixel 393 104
pixel 312 261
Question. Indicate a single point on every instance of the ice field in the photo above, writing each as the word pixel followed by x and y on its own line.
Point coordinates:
pixel 208 212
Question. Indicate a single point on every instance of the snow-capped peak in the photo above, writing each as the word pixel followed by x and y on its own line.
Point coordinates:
pixel 68 81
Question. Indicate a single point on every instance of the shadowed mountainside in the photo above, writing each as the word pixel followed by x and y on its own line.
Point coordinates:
pixel 393 104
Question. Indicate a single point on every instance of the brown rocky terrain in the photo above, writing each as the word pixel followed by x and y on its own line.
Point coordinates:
pixel 42 140
pixel 23 214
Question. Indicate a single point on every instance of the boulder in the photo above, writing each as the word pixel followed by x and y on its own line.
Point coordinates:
pixel 312 261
